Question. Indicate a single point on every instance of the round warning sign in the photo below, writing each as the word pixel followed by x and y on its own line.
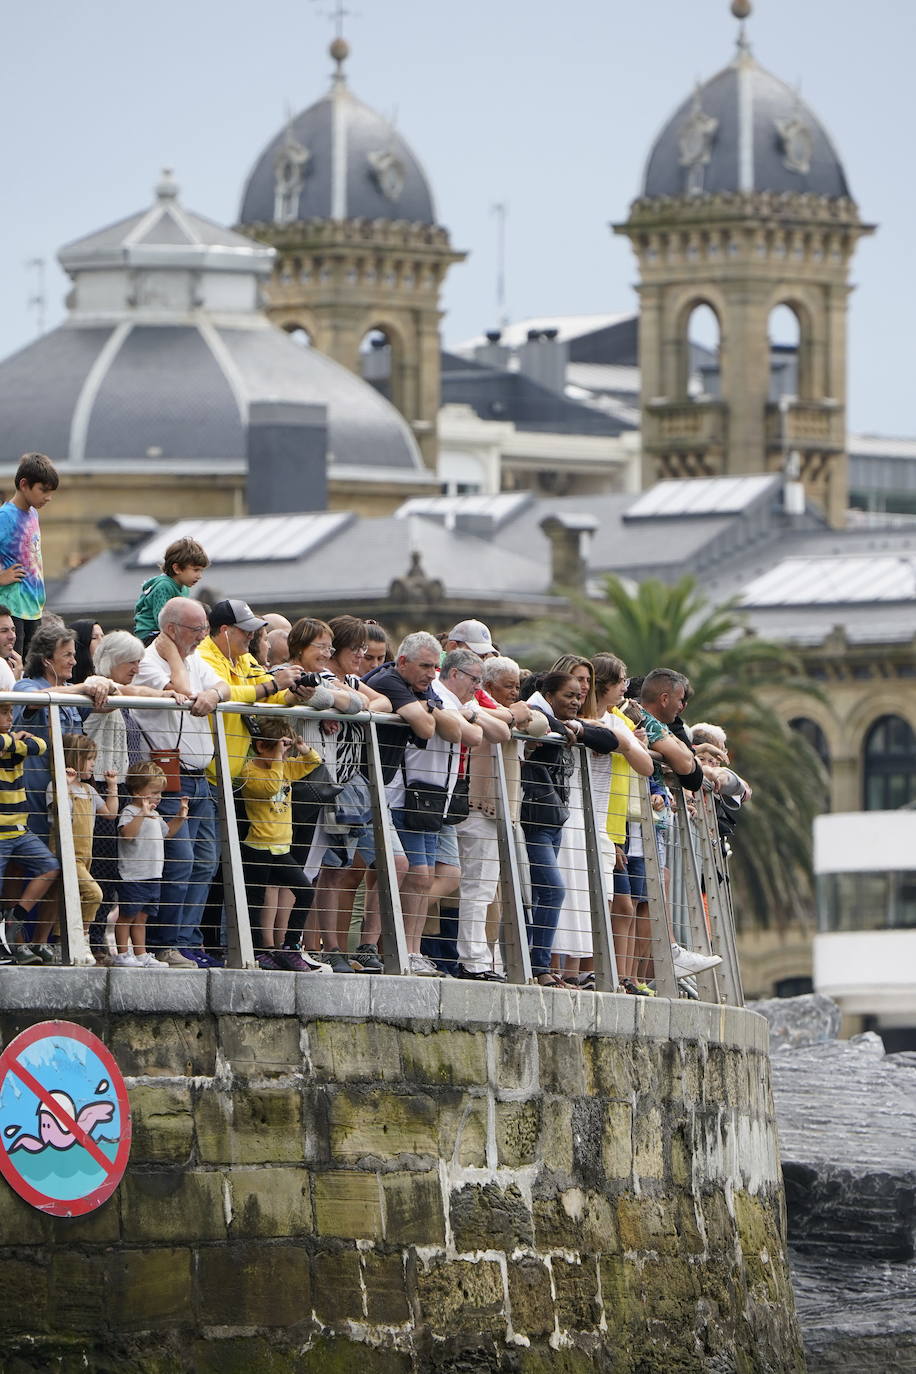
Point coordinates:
pixel 64 1119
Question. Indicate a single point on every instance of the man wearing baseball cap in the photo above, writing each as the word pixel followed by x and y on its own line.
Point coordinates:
pixel 471 634
pixel 225 650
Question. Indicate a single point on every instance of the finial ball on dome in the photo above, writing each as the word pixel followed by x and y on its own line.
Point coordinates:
pixel 339 50
pixel 741 8
pixel 167 186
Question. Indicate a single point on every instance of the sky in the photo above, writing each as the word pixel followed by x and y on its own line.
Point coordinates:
pixel 547 108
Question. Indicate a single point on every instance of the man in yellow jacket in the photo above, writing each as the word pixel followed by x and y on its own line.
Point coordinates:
pixel 225 650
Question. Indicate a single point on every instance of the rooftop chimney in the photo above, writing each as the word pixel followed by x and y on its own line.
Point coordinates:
pixel 543 358
pixel 493 353
pixel 287 458
pixel 570 536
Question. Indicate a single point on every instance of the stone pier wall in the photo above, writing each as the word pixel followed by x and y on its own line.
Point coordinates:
pixel 376 1174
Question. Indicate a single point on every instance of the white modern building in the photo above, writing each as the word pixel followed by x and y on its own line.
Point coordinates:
pixel 865 948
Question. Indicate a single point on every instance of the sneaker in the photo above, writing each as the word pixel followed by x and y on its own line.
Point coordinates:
pixel 366 959
pixel 25 954
pixel 174 958
pixel 45 953
pixel 635 988
pixel 267 962
pixel 126 961
pixel 688 961
pixel 197 957
pixel 338 962
pixel 297 962
pixel 150 961
pixel 478 976
pixel 423 967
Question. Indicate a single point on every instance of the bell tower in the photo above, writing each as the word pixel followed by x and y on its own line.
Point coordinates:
pixel 361 260
pixel 745 208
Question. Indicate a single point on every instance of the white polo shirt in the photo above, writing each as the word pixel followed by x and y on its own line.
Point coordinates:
pixel 167 729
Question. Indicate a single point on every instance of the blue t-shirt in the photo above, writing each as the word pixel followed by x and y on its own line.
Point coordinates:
pixel 20 542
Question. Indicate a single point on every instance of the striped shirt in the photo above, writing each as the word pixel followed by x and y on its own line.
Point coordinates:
pixel 14 815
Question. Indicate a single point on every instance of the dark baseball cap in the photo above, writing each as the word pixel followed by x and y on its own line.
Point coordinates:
pixel 234 612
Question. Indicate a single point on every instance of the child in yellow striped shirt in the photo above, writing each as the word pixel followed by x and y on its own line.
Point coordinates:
pixel 17 842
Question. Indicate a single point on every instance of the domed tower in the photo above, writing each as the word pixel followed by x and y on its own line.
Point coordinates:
pixel 348 208
pixel 745 208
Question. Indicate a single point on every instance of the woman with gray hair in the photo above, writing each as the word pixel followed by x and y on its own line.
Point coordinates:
pixel 115 732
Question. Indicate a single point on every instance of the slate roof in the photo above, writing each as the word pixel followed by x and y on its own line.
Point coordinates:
pixel 355 562
pixel 747 103
pixel 169 388
pixel 496 394
pixel 490 553
pixel 345 159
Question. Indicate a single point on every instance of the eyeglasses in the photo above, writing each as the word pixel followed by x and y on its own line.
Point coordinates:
pixel 470 676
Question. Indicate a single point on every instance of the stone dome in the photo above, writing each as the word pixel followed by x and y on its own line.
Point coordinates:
pixel 337 160
pixel 166 348
pixel 744 130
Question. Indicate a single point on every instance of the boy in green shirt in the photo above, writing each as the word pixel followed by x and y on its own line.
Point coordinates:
pixel 182 568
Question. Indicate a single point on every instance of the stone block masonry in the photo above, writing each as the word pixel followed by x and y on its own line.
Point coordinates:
pixel 407 1178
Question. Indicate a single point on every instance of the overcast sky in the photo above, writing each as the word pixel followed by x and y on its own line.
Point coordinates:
pixel 549 107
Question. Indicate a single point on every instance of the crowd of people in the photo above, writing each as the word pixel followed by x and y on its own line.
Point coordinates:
pixel 460 727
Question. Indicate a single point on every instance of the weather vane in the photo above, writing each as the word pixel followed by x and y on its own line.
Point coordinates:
pixel 337 15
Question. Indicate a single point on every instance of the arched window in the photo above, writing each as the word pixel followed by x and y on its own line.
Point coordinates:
pixel 700 364
pixel 785 353
pixel 812 732
pixel 375 358
pixel 299 335
pixel 890 765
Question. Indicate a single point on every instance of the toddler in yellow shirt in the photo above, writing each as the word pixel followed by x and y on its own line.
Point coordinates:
pixel 265 785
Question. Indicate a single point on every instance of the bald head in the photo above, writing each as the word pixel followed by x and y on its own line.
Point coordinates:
pixel 277 648
pixel 277 622
pixel 184 622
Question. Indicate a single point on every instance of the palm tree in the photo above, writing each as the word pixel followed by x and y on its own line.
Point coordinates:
pixel 736 678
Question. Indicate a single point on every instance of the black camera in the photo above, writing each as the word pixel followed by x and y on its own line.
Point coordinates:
pixel 308 680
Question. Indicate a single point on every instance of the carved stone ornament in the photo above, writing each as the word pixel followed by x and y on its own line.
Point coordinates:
pixel 797 144
pixel 289 176
pixel 387 173
pixel 696 136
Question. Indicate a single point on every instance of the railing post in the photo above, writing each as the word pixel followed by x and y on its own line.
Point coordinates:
pixel 73 942
pixel 602 933
pixel 718 897
pixel 517 955
pixel 394 950
pixel 239 945
pixel 699 934
pixel 660 936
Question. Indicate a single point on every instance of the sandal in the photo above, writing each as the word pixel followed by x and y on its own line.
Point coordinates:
pixel 549 980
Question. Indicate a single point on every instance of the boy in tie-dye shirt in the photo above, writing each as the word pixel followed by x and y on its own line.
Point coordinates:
pixel 21 570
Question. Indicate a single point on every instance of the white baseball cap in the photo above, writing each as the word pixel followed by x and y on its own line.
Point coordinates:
pixel 474 634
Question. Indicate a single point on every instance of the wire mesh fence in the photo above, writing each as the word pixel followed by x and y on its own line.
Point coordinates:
pixel 143 835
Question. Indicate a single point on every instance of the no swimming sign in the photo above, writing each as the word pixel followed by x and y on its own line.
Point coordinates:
pixel 64 1119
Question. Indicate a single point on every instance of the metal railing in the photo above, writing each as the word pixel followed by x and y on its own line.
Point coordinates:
pixel 693 905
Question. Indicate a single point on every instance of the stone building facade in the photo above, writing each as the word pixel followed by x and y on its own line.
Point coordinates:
pixel 745 208
pixel 360 255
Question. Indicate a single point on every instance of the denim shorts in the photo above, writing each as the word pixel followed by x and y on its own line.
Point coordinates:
pixel 136 897
pixel 420 846
pixel 361 841
pixel 636 870
pixel 29 851
pixel 447 848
